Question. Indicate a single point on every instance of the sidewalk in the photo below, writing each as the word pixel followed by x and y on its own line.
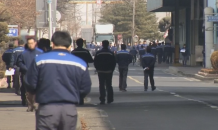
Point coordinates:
pixel 13 116
pixel 185 71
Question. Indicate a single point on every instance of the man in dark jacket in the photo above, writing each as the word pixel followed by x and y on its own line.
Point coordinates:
pixel 105 63
pixel 123 59
pixel 24 62
pixel 133 52
pixel 159 50
pixel 148 61
pixel 6 58
pixel 84 55
pixel 57 78
pixel 16 53
pixel 44 44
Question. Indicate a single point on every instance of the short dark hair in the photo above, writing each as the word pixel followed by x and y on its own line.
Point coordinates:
pixel 79 42
pixel 61 38
pixel 43 43
pixel 11 45
pixel 31 38
pixel 148 49
pixel 20 42
pixel 105 43
pixel 123 46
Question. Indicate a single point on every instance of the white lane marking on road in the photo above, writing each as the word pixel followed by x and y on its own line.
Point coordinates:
pixel 195 79
pixel 179 96
pixel 188 79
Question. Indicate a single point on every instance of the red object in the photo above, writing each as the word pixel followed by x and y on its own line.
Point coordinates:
pixel 119 36
pixel 165 34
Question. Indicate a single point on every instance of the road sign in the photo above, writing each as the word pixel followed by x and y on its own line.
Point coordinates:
pixel 13 26
pixel 42 11
pixel 212 18
pixel 13 32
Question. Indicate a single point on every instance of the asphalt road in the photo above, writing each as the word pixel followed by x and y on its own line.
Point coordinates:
pixel 179 103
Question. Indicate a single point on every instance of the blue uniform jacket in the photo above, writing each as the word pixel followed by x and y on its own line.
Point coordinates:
pixel 133 52
pixel 123 58
pixel 16 52
pixel 148 60
pixel 6 57
pixel 26 57
pixel 58 77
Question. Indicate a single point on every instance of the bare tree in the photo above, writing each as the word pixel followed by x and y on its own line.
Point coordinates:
pixel 23 12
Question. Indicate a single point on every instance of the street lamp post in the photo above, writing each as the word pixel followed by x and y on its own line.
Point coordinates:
pixel 50 18
pixel 133 21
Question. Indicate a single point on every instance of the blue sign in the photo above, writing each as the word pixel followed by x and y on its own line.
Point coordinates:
pixel 13 32
pixel 212 18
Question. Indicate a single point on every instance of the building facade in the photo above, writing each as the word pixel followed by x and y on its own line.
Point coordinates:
pixel 187 24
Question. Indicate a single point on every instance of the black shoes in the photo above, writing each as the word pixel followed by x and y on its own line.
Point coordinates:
pixel 153 88
pixel 108 102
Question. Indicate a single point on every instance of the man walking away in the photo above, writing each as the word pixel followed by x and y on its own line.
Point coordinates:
pixel 141 53
pixel 24 62
pixel 185 55
pixel 57 78
pixel 6 57
pixel 133 52
pixel 105 63
pixel 159 53
pixel 123 59
pixel 148 61
pixel 44 44
pixel 84 55
pixel 17 77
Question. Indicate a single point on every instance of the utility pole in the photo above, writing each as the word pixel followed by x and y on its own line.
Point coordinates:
pixel 49 18
pixel 133 22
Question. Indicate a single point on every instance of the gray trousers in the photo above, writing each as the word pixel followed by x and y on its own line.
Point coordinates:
pixel 56 117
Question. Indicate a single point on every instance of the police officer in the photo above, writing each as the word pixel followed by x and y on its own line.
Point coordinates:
pixel 83 54
pixel 24 61
pixel 133 52
pixel 167 50
pixel 123 59
pixel 6 57
pixel 16 52
pixel 159 53
pixel 105 63
pixel 57 78
pixel 141 53
pixel 148 62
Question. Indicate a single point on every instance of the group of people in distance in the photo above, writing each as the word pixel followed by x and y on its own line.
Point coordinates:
pixel 57 79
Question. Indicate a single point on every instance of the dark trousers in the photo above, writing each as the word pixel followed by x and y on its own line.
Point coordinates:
pixel 133 59
pixel 105 79
pixel 123 71
pixel 169 58
pixel 56 117
pixel 164 57
pixel 160 58
pixel 9 79
pixel 16 80
pixel 150 74
pixel 23 90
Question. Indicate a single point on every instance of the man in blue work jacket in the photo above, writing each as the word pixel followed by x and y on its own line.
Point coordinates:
pixel 17 77
pixel 57 78
pixel 6 58
pixel 148 62
pixel 24 61
pixel 123 60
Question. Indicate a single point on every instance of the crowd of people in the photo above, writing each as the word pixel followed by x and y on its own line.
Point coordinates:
pixel 52 79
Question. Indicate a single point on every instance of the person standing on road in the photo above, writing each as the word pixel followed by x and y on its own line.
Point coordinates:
pixel 57 78
pixel 105 63
pixel 159 53
pixel 141 53
pixel 24 62
pixel 85 56
pixel 133 52
pixel 13 63
pixel 185 55
pixel 123 59
pixel 6 58
pixel 148 62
